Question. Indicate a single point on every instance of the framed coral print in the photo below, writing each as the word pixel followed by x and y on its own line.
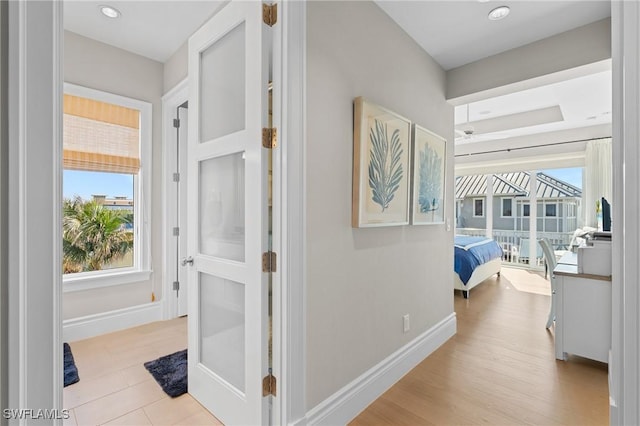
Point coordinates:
pixel 429 159
pixel 381 166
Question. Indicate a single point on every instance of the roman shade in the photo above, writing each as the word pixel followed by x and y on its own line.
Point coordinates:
pixel 100 137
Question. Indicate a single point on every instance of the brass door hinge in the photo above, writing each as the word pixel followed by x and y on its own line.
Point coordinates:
pixel 269 137
pixel 270 14
pixel 269 385
pixel 269 261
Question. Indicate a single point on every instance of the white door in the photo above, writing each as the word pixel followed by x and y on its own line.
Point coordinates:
pixel 228 216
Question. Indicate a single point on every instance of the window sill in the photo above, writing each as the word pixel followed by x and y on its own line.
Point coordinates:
pixel 90 282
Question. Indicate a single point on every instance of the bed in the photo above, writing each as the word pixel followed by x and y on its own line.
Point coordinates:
pixel 475 260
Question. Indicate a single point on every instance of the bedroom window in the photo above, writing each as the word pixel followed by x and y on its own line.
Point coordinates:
pixel 106 187
pixel 478 207
pixel 507 207
pixel 550 210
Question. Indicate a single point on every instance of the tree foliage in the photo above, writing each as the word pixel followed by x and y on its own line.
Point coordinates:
pixel 93 235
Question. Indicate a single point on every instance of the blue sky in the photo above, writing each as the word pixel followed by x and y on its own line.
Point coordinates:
pixel 85 184
pixel 572 175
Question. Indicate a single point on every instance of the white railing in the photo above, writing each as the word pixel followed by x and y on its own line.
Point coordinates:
pixel 513 249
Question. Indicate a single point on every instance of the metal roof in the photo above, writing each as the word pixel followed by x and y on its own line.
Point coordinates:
pixel 515 185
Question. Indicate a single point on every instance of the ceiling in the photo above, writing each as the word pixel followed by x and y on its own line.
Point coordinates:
pixel 577 103
pixel 453 32
pixel 456 33
pixel 154 29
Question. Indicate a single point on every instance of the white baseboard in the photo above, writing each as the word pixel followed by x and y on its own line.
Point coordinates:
pixel 351 400
pixel 107 322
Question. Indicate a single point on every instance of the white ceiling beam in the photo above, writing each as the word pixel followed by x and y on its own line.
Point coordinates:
pixel 539 139
pixel 578 52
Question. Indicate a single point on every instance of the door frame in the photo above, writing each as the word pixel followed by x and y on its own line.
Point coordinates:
pixel 170 102
pixel 289 214
pixel 33 354
pixel 624 389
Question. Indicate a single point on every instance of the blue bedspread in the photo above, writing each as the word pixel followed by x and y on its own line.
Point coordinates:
pixel 471 252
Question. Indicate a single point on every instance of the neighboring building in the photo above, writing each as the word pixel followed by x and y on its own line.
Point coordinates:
pixel 558 202
pixel 118 202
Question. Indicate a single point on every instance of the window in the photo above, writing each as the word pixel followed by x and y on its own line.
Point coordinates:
pixel 550 210
pixel 525 210
pixel 106 187
pixel 507 207
pixel 478 207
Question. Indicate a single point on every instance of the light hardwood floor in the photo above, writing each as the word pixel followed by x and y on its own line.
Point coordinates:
pixel 116 389
pixel 498 369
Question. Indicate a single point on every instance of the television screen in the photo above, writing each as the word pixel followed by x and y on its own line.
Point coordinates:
pixel 606 215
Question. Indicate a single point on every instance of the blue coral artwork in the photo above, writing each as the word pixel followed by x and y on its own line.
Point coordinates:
pixel 385 164
pixel 428 177
pixel 381 166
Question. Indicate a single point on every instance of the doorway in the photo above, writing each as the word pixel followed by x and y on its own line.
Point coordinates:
pixel 40 347
pixel 175 117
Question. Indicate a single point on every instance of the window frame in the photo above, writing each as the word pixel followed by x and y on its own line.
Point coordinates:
pixel 555 204
pixel 502 200
pixel 474 207
pixel 141 269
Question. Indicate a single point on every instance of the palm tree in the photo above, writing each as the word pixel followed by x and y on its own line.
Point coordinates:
pixel 92 235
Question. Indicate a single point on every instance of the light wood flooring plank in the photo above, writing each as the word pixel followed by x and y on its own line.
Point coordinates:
pixel 498 369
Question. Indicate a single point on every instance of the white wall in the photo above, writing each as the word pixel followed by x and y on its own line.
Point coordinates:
pixel 99 66
pixel 176 67
pixel 360 282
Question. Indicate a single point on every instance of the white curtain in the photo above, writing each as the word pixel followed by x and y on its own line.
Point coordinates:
pixel 597 178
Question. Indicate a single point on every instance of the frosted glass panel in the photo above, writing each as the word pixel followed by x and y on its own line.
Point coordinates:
pixel 222 328
pixel 222 90
pixel 222 207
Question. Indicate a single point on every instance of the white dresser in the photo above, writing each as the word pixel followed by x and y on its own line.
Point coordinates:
pixel 583 312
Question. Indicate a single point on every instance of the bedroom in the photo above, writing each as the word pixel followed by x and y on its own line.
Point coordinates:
pixel 542 147
pixel 333 379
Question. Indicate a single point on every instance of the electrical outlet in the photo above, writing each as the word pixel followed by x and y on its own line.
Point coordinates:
pixel 405 323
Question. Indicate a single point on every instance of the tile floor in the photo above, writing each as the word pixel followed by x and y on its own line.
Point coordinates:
pixel 116 389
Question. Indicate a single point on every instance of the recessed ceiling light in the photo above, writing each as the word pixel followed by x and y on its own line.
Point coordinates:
pixel 483 1
pixel 499 13
pixel 110 12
